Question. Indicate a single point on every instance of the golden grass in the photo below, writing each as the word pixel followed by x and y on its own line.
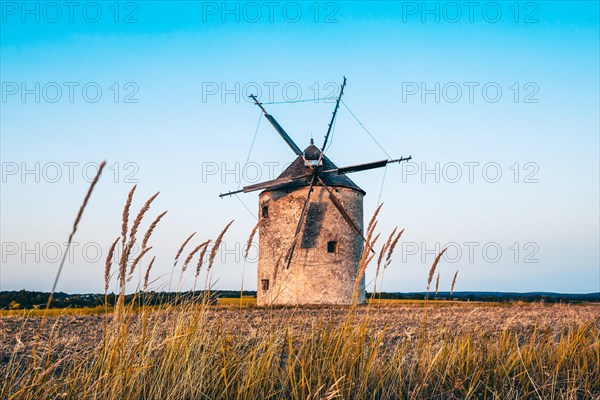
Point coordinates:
pixel 243 301
pixel 196 352
pixel 55 312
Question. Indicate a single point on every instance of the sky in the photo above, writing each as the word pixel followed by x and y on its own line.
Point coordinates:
pixel 496 102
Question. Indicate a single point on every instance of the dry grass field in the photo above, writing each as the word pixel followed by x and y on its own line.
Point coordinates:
pixel 394 350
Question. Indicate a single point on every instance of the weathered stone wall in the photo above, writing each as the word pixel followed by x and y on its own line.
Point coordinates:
pixel 315 276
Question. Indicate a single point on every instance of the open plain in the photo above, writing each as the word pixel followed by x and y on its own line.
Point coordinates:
pixel 410 350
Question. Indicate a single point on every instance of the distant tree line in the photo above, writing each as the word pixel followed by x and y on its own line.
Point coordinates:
pixel 535 297
pixel 25 300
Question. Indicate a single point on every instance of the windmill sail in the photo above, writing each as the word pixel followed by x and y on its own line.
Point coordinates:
pixel 367 166
pixel 337 106
pixel 278 128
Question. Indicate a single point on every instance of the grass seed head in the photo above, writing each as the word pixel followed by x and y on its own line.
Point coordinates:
pixel 201 257
pixel 137 260
pixel 151 228
pixel 109 257
pixel 374 218
pixel 139 217
pixel 433 267
pixel 125 216
pixel 191 255
pixel 453 283
pixel 250 238
pixel 215 249
pixel 388 259
pixel 147 276
pixel 185 242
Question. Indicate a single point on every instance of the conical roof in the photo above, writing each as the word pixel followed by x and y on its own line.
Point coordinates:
pixel 299 168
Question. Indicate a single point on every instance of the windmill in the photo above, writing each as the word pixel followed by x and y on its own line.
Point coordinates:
pixel 310 226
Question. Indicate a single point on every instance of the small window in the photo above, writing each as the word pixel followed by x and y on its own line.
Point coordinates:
pixel 264 284
pixel 332 246
pixel 265 211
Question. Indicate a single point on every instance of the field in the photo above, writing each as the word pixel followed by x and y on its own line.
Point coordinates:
pixel 405 350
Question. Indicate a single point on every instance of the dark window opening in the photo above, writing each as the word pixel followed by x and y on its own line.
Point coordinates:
pixel 265 211
pixel 332 246
pixel 264 284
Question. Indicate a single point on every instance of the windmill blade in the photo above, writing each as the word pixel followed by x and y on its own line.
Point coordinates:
pixel 344 170
pixel 284 135
pixel 338 204
pixel 290 254
pixel 279 128
pixel 337 106
pixel 267 185
pixel 362 167
pixel 367 166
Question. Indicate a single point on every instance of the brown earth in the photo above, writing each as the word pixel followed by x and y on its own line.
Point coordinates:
pixel 75 333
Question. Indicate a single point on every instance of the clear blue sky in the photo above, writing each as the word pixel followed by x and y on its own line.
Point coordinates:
pixel 502 87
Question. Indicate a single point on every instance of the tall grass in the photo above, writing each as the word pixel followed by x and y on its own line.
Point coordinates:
pixel 188 352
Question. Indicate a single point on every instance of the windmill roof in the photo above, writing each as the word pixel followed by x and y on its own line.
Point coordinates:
pixel 299 168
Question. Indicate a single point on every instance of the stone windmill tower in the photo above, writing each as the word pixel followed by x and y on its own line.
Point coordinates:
pixel 311 227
